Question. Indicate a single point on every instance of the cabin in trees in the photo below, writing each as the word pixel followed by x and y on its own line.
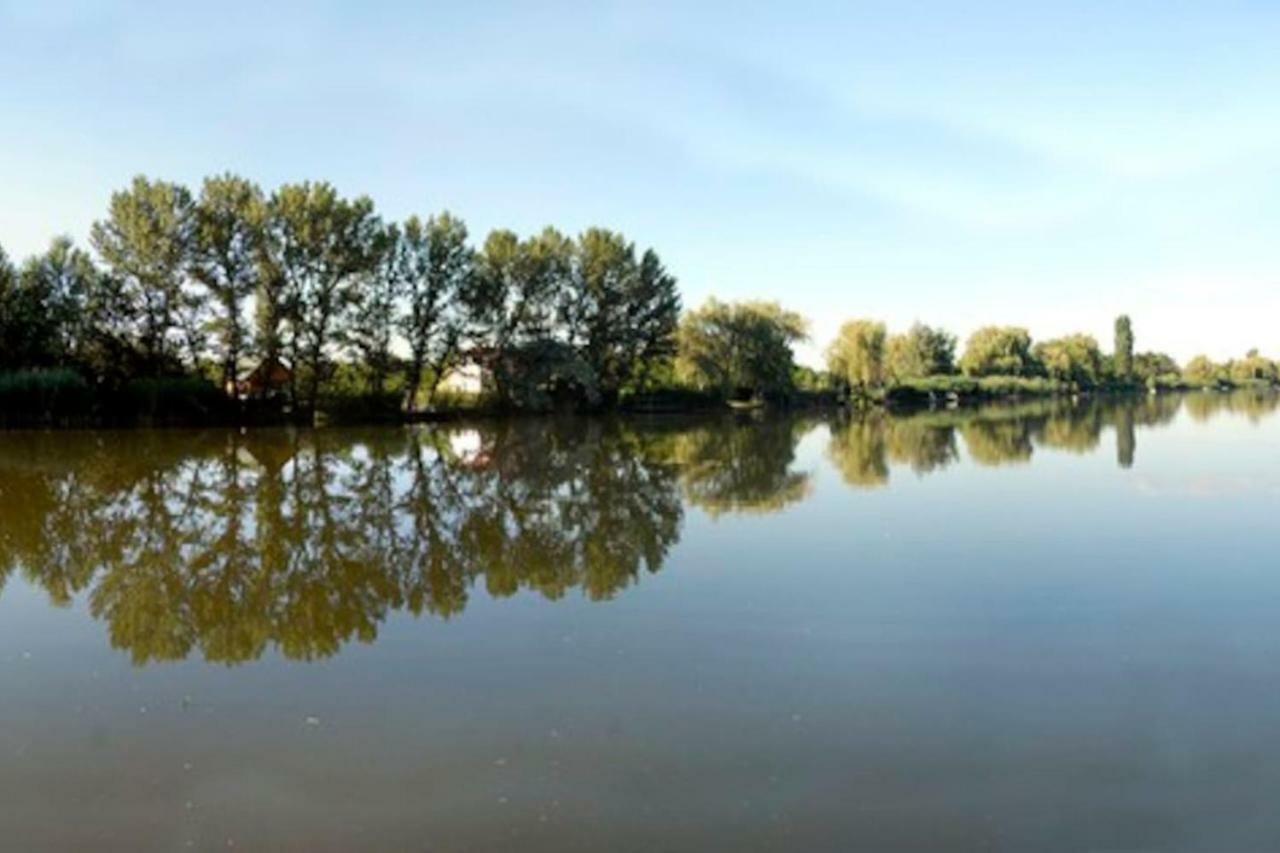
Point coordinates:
pixel 270 378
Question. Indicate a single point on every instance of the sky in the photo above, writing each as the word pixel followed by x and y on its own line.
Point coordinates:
pixel 1048 165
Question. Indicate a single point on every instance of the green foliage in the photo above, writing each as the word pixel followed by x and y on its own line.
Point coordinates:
pixel 543 375
pixel 1123 355
pixel 40 396
pixel 513 296
pixel 921 351
pixel 227 240
pixel 345 306
pixel 1253 368
pixel 319 246
pixel 1156 369
pixel 178 399
pixel 620 312
pixel 856 356
pixel 146 243
pixel 805 378
pixel 435 267
pixel 1202 372
pixel 998 351
pixel 1073 358
pixel 374 309
pixel 742 347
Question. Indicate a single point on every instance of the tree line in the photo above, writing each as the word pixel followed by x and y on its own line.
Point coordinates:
pixel 749 348
pixel 181 284
pixel 322 293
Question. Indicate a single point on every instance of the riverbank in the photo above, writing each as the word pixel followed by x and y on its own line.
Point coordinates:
pixel 63 399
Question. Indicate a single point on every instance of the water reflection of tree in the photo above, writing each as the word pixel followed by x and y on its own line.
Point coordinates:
pixel 1253 403
pixel 740 464
pixel 232 545
pixel 864 444
pixel 857 449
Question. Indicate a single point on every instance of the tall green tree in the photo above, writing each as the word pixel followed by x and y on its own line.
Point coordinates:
pixel 14 313
pixel 225 259
pixel 513 297
pixel 739 347
pixel 920 351
pixel 146 243
pixel 998 351
pixel 436 266
pixel 375 310
pixel 318 246
pixel 1124 347
pixel 619 312
pixel 857 354
pixel 70 288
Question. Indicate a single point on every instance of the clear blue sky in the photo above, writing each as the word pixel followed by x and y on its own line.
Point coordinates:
pixel 1047 164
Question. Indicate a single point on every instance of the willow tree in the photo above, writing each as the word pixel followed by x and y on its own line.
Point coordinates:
pixel 857 354
pixel 227 235
pixel 1072 358
pixel 739 347
pixel 920 351
pixel 146 243
pixel 1202 371
pixel 998 351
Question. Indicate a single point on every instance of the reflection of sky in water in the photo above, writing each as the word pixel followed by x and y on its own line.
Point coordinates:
pixel 918 633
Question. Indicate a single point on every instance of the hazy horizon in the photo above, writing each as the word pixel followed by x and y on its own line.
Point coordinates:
pixel 1041 167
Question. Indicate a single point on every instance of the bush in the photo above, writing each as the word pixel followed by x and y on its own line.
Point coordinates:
pixel 43 396
pixel 181 399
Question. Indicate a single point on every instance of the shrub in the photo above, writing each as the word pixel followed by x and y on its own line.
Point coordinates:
pixel 41 396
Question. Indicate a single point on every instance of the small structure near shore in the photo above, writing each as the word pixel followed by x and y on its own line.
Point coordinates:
pixel 271 378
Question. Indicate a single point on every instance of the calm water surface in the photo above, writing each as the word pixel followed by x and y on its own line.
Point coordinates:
pixel 1046 627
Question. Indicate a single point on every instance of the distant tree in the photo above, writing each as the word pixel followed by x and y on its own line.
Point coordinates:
pixel 225 259
pixel 805 378
pixel 146 243
pixel 619 312
pixel 436 266
pixel 739 347
pixel 857 354
pixel 1123 354
pixel 319 246
pixel 921 351
pixel 1073 358
pixel 1202 371
pixel 1253 368
pixel 1151 367
pixel 998 351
